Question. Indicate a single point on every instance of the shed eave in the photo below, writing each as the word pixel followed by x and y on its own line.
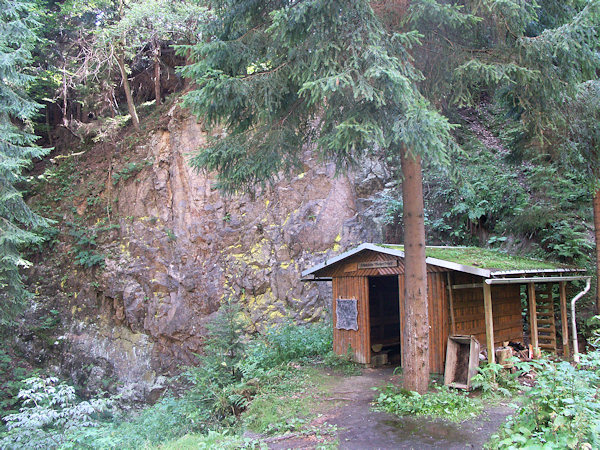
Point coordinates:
pixel 504 273
pixel 536 279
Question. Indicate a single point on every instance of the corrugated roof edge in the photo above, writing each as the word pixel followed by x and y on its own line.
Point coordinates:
pixel 433 261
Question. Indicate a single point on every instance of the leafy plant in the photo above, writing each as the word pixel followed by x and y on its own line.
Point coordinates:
pixel 129 171
pixel 452 405
pixel 50 411
pixel 493 378
pixel 12 376
pixel 562 409
pixel 85 246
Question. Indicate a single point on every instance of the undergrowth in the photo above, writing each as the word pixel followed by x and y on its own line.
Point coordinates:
pixel 562 410
pixel 445 403
pixel 269 384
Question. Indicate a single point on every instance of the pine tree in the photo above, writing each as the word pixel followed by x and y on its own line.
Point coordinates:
pixel 278 75
pixel 583 143
pixel 541 59
pixel 17 149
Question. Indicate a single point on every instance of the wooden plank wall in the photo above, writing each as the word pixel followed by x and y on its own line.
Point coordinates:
pixel 506 307
pixel 349 282
pixel 358 288
pixel 437 296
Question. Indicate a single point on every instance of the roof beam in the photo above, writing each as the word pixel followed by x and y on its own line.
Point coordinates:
pixel 526 280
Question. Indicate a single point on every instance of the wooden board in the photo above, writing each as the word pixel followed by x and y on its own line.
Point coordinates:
pixel 469 312
pixel 358 341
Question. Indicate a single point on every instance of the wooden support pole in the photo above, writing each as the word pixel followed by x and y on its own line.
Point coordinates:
pixel 564 319
pixel 533 329
pixel 451 299
pixel 489 322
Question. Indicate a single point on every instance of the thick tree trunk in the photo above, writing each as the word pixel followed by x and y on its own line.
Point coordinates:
pixel 415 339
pixel 130 104
pixel 157 91
pixel 596 203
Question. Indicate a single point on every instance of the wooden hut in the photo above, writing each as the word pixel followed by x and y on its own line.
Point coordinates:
pixel 471 291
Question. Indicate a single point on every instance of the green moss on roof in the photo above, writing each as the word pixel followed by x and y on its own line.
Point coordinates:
pixel 484 258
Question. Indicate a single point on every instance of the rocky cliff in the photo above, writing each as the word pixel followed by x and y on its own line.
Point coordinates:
pixel 176 247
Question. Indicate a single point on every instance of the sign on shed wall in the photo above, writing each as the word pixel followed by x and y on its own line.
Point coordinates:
pixel 346 314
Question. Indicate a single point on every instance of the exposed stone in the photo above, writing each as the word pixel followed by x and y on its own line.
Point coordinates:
pixel 183 247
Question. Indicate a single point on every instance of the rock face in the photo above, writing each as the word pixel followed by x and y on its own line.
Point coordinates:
pixel 182 247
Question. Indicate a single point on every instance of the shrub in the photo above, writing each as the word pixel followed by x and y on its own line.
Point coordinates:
pixel 492 378
pixel 561 411
pixel 445 404
pixel 166 420
pixel 50 411
pixel 285 343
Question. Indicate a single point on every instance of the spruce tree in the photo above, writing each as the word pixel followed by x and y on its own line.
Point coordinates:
pixel 279 75
pixel 17 149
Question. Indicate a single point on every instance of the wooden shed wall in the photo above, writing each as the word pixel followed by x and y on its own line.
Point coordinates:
pixel 506 309
pixel 439 309
pixel 350 282
pixel 358 288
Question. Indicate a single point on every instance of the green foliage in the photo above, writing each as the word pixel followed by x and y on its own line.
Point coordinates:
pixel 129 171
pixel 49 413
pixel 12 377
pixel 261 78
pixel 17 149
pixel 213 439
pixel 493 378
pixel 560 411
pixel 166 420
pixel 287 403
pixel 84 248
pixel 509 47
pixel 445 403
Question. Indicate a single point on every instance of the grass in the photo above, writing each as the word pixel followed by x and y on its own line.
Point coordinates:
pixel 214 439
pixel 289 405
pixel 284 406
pixel 484 258
pixel 445 404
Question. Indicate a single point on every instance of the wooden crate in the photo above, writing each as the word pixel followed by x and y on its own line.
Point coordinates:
pixel 462 360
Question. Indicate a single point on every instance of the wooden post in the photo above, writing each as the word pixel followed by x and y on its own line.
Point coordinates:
pixel 489 321
pixel 533 329
pixel 451 299
pixel 564 319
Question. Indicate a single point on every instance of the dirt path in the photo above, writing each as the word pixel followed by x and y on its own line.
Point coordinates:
pixel 358 427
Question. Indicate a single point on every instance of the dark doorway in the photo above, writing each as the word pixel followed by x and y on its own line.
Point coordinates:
pixel 384 314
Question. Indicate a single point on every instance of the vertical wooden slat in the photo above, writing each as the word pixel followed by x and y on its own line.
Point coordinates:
pixel 489 321
pixel 366 333
pixel 401 300
pixel 533 329
pixel 451 299
pixel 564 319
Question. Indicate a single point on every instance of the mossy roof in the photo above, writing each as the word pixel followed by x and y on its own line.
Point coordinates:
pixel 479 261
pixel 484 258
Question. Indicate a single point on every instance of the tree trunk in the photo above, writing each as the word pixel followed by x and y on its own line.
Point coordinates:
pixel 157 93
pixel 130 105
pixel 415 342
pixel 596 203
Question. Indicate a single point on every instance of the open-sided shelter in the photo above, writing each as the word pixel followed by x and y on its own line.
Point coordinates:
pixel 471 291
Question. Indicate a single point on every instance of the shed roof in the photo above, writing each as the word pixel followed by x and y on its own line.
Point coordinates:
pixel 474 260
